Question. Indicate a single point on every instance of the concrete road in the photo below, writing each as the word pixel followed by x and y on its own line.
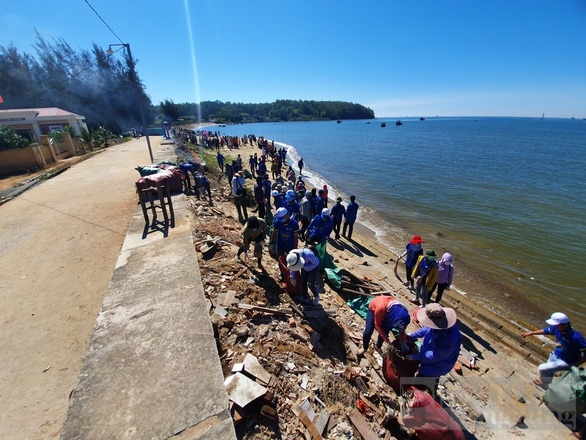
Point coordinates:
pixel 59 243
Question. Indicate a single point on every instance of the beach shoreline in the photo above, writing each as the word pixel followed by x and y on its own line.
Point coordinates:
pixel 470 284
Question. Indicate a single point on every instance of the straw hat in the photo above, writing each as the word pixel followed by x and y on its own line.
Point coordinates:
pixel 437 317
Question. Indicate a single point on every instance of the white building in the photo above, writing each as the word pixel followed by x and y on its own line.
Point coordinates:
pixel 32 123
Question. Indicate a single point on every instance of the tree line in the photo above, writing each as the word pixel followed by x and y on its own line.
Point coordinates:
pixel 91 83
pixel 280 110
pixel 101 87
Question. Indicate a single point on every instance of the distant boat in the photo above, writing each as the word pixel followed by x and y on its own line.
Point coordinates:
pixel 383 124
pixel 422 118
pixel 339 121
pixel 398 123
pixel 368 122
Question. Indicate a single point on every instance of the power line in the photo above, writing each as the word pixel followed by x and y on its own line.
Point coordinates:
pixel 103 21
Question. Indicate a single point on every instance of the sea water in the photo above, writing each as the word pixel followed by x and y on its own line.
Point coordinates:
pixel 505 196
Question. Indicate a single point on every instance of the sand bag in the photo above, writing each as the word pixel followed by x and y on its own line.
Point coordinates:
pixel 292 289
pixel 429 420
pixel 395 366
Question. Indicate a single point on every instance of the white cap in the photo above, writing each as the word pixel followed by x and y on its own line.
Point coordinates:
pixel 295 261
pixel 275 193
pixel 557 318
pixel 281 212
pixel 325 212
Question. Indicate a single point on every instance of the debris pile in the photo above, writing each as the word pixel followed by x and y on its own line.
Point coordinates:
pixel 291 370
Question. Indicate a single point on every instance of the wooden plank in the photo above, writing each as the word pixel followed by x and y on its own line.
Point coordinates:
pixel 356 292
pixel 362 425
pixel 287 312
pixel 302 415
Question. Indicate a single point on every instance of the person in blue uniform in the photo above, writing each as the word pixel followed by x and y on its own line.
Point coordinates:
pixel 440 346
pixel 351 214
pixel 570 351
pixel 338 212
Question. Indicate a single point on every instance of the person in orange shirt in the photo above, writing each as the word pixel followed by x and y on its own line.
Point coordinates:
pixel 384 313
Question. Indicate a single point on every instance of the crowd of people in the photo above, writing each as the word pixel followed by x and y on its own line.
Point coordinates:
pixel 301 215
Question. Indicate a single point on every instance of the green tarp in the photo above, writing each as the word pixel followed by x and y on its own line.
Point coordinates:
pixel 567 393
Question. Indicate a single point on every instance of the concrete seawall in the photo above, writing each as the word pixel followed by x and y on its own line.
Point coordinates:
pixel 152 369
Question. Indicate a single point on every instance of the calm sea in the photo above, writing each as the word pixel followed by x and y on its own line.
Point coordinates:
pixel 505 196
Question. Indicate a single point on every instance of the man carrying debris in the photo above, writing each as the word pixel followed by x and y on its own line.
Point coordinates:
pixel 570 351
pixel 255 230
pixel 385 313
pixel 304 266
pixel 440 347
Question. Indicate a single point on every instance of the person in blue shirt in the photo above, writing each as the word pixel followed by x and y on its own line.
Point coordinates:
pixel 304 266
pixel 320 228
pixel 440 346
pixel 278 199
pixel 284 234
pixel 292 206
pixel 220 159
pixel 570 351
pixel 338 212
pixel 319 202
pixel 351 214
pixel 412 252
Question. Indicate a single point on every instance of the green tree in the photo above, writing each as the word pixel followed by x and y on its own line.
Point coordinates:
pixel 9 140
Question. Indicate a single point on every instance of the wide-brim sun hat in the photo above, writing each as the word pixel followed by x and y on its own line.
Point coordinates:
pixel 295 261
pixel 281 212
pixel 430 253
pixel 558 318
pixel 416 240
pixel 437 317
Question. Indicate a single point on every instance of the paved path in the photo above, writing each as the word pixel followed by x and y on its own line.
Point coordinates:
pixel 59 244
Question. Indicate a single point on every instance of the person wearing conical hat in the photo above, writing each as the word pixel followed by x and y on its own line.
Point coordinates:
pixel 440 346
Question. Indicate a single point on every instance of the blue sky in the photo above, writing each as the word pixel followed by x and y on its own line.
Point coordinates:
pixel 400 58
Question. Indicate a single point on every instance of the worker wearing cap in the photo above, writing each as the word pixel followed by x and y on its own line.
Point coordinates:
pixel 338 213
pixel 570 351
pixel 385 313
pixel 320 227
pixel 284 234
pixel 304 266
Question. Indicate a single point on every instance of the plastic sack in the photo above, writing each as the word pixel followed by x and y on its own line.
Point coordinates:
pixel 292 289
pixel 396 367
pixel 429 420
pixel 568 393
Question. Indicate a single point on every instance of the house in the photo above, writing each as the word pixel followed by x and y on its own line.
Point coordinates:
pixel 32 123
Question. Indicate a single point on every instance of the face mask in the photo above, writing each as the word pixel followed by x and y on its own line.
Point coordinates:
pixel 416 247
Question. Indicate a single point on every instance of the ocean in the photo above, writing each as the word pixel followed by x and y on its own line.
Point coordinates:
pixel 505 196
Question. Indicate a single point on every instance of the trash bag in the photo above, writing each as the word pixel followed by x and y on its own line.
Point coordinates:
pixel 429 420
pixel 334 276
pixel 292 289
pixel 360 305
pixel 395 366
pixel 568 392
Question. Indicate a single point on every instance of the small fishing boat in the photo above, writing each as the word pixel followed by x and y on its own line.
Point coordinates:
pixel 339 121
pixel 383 124
pixel 398 123
pixel 422 118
